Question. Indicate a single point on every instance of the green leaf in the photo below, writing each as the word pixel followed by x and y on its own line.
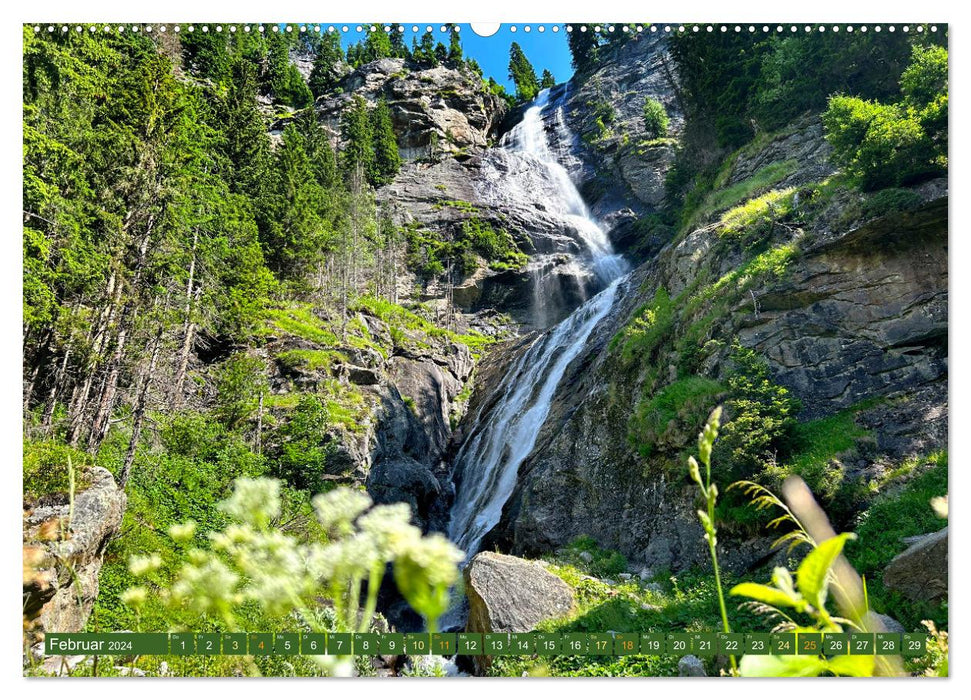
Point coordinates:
pixel 811 577
pixel 851 665
pixel 781 666
pixel 766 594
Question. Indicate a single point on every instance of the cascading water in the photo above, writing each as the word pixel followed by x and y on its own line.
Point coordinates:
pixel 503 436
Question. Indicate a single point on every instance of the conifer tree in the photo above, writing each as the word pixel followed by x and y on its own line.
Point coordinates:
pixel 387 161
pixel 547 81
pixel 323 76
pixel 522 74
pixel 358 141
pixel 377 44
pixel 454 45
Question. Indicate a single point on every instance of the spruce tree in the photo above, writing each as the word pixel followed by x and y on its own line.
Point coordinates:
pixel 356 133
pixel 547 81
pixel 522 74
pixel 387 161
pixel 583 47
pixel 323 77
pixel 454 45
pixel 377 44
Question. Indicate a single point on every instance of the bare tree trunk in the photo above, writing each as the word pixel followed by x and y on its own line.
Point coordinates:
pixel 55 389
pixel 138 415
pixel 259 426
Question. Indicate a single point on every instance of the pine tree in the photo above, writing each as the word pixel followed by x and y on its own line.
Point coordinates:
pixel 522 74
pixel 295 235
pixel 323 76
pixel 377 44
pixel 583 47
pixel 547 81
pixel 358 140
pixel 387 161
pixel 424 51
pixel 398 47
pixel 245 144
pixel 454 44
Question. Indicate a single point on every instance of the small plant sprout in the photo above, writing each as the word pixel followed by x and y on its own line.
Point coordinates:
pixel 706 441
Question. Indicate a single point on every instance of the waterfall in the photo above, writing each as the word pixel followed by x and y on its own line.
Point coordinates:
pixel 504 435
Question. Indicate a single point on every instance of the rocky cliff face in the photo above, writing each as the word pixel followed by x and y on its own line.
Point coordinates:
pixel 617 164
pixel 410 394
pixel 437 111
pixel 64 548
pixel 856 316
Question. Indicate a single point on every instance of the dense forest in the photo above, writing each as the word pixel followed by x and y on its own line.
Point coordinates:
pixel 260 292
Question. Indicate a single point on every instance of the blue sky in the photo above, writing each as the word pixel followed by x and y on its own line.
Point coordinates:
pixel 547 49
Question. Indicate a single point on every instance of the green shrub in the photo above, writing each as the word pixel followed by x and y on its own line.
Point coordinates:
pixel 663 421
pixel 890 201
pixel 888 145
pixel 650 326
pixel 240 381
pixel 761 416
pixel 656 119
pixel 45 468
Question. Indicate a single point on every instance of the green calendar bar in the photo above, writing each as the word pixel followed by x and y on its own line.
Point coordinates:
pixel 391 644
pixel 418 644
pixel 340 644
pixel 522 643
pixel 574 644
pixel 861 643
pixel 625 644
pixel 234 644
pixel 209 644
pixel 261 643
pixel 286 644
pixel 601 644
pixel 731 643
pixel 678 644
pixel 913 645
pixel 809 644
pixel 653 643
pixel 759 644
pixel 703 644
pixel 836 644
pixel 783 643
pixel 496 644
pixel 887 643
pixel 182 643
pixel 443 644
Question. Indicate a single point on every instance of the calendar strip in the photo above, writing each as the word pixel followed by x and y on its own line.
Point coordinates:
pixel 701 644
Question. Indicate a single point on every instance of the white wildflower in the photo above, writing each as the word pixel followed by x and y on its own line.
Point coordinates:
pixel 337 509
pixel 254 501
pixel 141 565
pixel 135 597
pixel 184 532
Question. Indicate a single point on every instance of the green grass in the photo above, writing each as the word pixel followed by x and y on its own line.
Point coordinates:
pixel 300 320
pixel 903 510
pixel 652 323
pixel 756 216
pixel 45 468
pixel 686 602
pixel 685 403
pixel 311 359
pixel 727 197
